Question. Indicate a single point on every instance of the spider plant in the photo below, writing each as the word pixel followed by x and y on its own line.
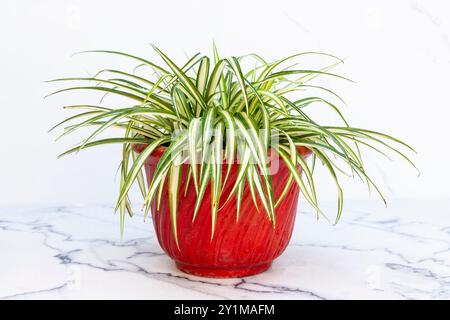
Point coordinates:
pixel 210 111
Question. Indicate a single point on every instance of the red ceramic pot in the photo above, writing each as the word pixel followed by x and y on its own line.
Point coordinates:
pixel 238 248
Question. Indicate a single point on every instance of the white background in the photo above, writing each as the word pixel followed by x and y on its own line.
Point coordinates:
pixel 398 52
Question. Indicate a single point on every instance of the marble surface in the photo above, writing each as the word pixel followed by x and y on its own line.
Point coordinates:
pixel 70 252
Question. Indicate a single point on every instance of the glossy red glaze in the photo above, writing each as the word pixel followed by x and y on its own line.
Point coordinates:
pixel 238 248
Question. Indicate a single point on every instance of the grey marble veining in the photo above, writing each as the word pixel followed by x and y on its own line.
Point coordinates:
pixel 70 252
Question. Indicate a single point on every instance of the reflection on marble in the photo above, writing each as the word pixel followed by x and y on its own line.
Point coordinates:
pixel 71 252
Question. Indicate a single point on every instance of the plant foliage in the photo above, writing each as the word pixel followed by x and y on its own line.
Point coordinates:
pixel 220 110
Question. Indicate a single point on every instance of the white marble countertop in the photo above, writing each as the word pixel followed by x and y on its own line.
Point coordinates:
pixel 71 252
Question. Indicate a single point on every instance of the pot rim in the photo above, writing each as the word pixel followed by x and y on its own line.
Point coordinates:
pixel 158 152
